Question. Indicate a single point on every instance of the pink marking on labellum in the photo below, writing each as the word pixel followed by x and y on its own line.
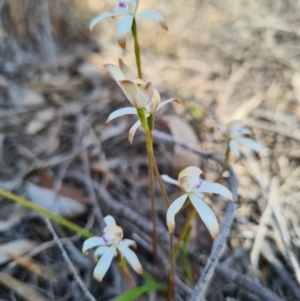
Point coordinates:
pixel 198 185
pixel 122 4
pixel 105 239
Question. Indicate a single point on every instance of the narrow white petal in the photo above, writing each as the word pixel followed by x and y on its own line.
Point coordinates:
pixel 250 143
pixel 154 16
pixel 208 187
pixel 102 17
pixel 173 209
pixel 92 243
pixel 123 29
pixel 206 214
pixel 234 148
pixel 133 130
pixel 109 220
pixel 129 75
pixel 165 102
pixel 100 251
pixel 104 263
pixel 132 6
pixel 131 257
pixel 119 113
pixel 128 243
pixel 116 72
pixel 170 180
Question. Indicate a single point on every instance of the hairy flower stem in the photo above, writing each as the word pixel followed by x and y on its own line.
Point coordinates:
pixel 123 267
pixel 171 286
pixel 136 48
pixel 153 210
pixel 184 231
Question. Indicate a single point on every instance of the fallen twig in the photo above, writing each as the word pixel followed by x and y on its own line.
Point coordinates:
pixel 78 280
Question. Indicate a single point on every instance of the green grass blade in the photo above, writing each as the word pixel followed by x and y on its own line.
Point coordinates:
pixel 140 290
pixel 52 216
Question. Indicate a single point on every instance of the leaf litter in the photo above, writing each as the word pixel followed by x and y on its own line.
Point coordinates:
pixel 238 60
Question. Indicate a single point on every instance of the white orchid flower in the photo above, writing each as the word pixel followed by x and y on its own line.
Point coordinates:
pixel 235 134
pixel 128 9
pixel 193 187
pixel 108 246
pixel 139 93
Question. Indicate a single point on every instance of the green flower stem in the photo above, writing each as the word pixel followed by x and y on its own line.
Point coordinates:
pixel 184 231
pixel 150 121
pixel 59 219
pixel 136 47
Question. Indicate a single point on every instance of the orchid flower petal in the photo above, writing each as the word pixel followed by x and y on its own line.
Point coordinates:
pixel 100 251
pixel 154 16
pixel 170 180
pixel 129 75
pixel 133 130
pixel 190 171
pixel 250 143
pixel 131 257
pixel 133 6
pixel 123 29
pixel 152 106
pixel 208 187
pixel 165 102
pixel 103 16
pixel 234 148
pixel 109 221
pixel 128 243
pixel 115 71
pixel 104 263
pixel 92 243
pixel 173 209
pixel 207 215
pixel 131 91
pixel 119 113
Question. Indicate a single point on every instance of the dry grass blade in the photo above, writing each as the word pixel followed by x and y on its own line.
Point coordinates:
pixel 21 289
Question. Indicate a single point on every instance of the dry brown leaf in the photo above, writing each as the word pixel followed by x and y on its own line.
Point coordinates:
pixel 182 131
pixel 15 248
pixel 70 192
pixel 36 268
pixel 24 291
pixel 49 199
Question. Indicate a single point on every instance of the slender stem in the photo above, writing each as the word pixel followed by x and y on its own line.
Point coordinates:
pixel 184 231
pixel 161 185
pixel 153 210
pixel 136 48
pixel 225 163
pixel 123 267
pixel 171 286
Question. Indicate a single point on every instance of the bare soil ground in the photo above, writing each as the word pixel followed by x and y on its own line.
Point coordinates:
pixel 233 60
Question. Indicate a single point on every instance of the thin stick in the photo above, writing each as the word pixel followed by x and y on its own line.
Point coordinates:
pixel 69 263
pixel 248 283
